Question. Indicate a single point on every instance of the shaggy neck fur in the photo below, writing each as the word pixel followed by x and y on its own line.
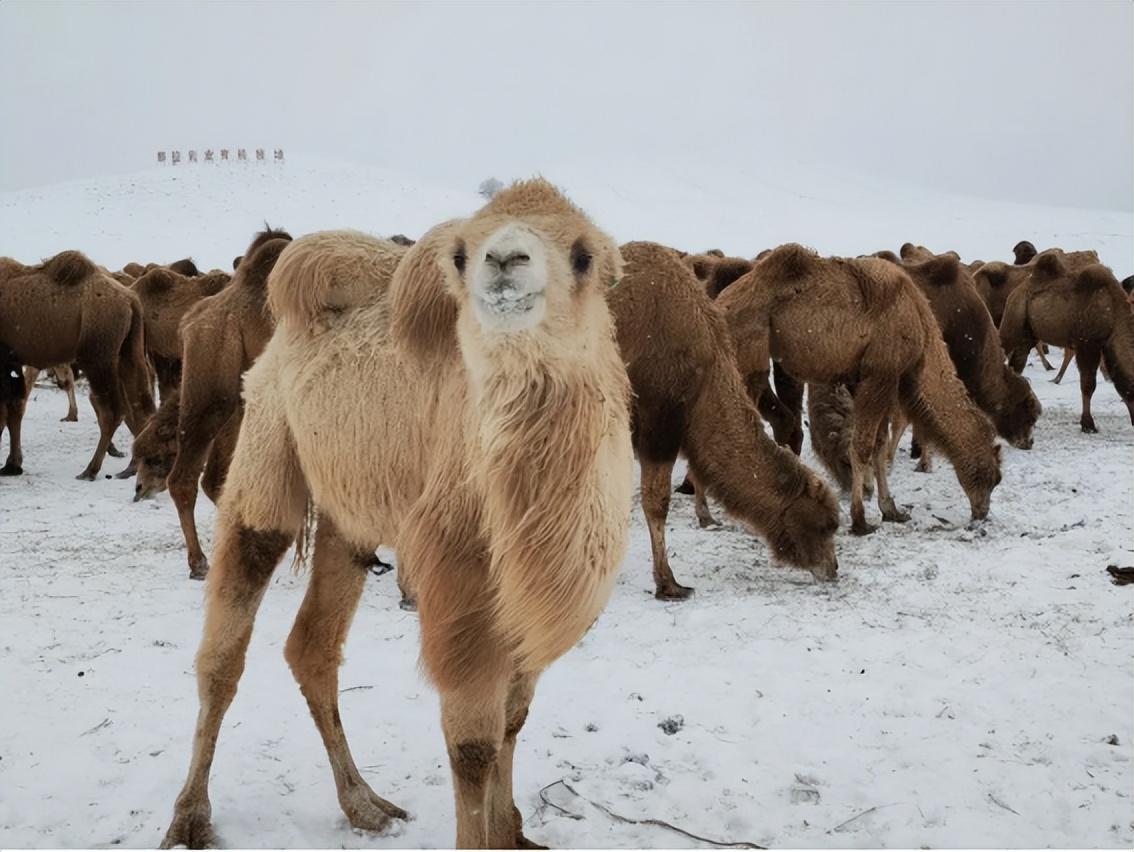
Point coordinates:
pixel 1119 352
pixel 541 410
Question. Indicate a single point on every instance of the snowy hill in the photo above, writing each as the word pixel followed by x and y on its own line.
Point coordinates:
pixel 960 685
pixel 209 211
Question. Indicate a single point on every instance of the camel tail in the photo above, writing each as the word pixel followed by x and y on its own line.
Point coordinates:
pixel 936 402
pixel 327 273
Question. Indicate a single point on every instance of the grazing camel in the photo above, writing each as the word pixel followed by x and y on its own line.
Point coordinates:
pixel 221 336
pixel 689 399
pixel 863 322
pixel 1084 309
pixel 166 296
pixel 499 469
pixel 67 311
pixel 974 347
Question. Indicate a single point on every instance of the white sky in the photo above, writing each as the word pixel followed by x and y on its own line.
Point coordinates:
pixel 1027 101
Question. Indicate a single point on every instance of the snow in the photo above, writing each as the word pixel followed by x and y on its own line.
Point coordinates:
pixel 956 687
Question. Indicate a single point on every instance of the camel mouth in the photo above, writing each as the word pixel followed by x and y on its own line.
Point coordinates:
pixel 504 306
pixel 827 572
pixel 1024 443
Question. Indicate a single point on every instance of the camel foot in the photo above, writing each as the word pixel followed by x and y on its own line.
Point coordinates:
pixel 11 470
pixel 1087 424
pixel 862 528
pixel 924 465
pixel 115 452
pixel 198 569
pixel 407 604
pixel 367 811
pixel 88 474
pixel 895 515
pixel 70 418
pixel 1057 380
pixel 523 842
pixel 192 830
pixel 673 591
pixel 686 487
pixel 707 521
pixel 127 471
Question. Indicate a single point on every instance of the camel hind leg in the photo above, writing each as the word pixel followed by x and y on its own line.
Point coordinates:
pixel 1043 358
pixel 14 466
pixel 257 522
pixel 656 477
pixel 873 399
pixel 1088 358
pixel 110 410
pixel 314 653
pixel 1068 356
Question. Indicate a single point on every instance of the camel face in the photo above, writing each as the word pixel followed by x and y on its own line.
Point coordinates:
pixel 507 278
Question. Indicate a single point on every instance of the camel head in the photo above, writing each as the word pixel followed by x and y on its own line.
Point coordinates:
pixel 1024 252
pixel 155 449
pixel 529 263
pixel 978 478
pixel 805 534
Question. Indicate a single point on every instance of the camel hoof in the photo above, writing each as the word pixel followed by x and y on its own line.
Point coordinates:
pixel 367 811
pixel 863 528
pixel 88 474
pixel 407 604
pixel 1089 427
pixel 191 830
pixel 126 472
pixel 11 470
pixel 199 570
pixel 69 419
pixel 896 516
pixel 673 592
pixel 708 522
pixel 686 487
pixel 523 843
pixel 923 466
pixel 115 452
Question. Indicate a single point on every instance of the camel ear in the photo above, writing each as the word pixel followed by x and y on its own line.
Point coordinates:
pixel 1049 265
pixel 790 261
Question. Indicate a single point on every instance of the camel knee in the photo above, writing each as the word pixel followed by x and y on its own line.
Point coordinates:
pixel 473 761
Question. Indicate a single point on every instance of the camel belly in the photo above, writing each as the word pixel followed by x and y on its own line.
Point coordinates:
pixel 817 348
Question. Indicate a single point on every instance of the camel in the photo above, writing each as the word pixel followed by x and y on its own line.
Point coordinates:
pixel 864 322
pixel 499 469
pixel 974 347
pixel 1082 308
pixel 221 335
pixel 134 270
pixel 689 399
pixel 1127 285
pixel 64 378
pixel 166 296
pixel 66 311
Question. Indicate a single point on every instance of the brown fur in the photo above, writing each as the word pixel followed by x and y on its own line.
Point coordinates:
pixel 222 335
pixel 863 321
pixel 974 347
pixel 185 267
pixel 65 311
pixel 508 506
pixel 830 410
pixel 689 398
pixel 13 396
pixel 166 297
pixel 1023 252
pixel 1080 307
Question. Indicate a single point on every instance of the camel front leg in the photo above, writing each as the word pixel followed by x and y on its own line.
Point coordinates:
pixel 505 824
pixel 1043 358
pixel 14 466
pixel 886 505
pixel 873 399
pixel 1088 358
pixel 314 653
pixel 701 504
pixel 110 410
pixel 245 560
pixel 656 477
pixel 1068 355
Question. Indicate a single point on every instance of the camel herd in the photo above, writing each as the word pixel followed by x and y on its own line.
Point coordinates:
pixel 510 367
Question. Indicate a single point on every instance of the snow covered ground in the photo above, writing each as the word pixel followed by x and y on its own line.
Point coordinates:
pixel 956 687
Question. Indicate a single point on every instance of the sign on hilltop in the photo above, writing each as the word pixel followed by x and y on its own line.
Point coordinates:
pixel 209 156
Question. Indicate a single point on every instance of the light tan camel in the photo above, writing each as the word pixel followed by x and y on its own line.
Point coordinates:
pixel 863 322
pixel 499 467
pixel 1081 308
pixel 689 398
pixel 166 297
pixel 67 311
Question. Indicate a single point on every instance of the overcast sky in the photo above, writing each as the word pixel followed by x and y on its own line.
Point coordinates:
pixel 1028 101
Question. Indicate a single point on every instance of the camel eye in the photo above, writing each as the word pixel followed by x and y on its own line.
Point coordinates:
pixel 580 258
pixel 459 258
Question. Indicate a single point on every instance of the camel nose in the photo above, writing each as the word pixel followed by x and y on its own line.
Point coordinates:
pixel 502 261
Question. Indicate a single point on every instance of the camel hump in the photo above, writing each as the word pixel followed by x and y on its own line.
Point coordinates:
pixel 267 235
pixel 68 267
pixel 941 271
pixel 157 281
pixel 886 254
pixel 908 251
pixel 185 267
pixel 402 240
pixel 1094 277
pixel 1049 264
pixel 995 272
pixel 1024 251
pixel 789 262
pixel 325 272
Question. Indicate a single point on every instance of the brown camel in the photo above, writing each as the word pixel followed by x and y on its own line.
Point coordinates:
pixel 1082 308
pixel 689 399
pixel 864 322
pixel 67 311
pixel 166 296
pixel 499 469
pixel 974 347
pixel 221 336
